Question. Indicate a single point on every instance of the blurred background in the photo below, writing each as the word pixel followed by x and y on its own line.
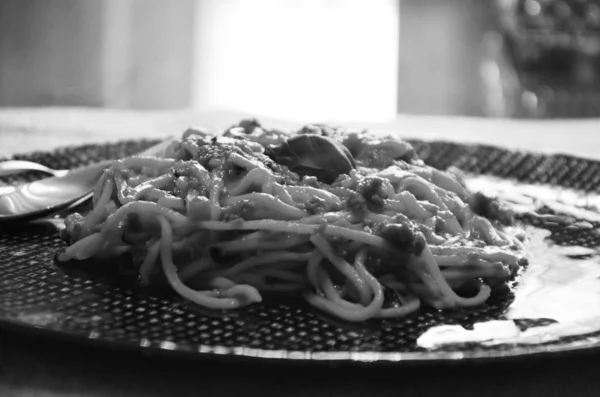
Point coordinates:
pixel 351 60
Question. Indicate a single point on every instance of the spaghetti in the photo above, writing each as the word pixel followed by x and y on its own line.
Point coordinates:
pixel 356 224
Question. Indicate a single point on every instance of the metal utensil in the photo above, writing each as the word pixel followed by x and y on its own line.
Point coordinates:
pixel 47 196
pixel 11 167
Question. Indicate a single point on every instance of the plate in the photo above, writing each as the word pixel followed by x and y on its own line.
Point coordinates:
pixel 542 314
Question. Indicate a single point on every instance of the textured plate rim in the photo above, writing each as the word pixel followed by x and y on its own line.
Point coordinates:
pixel 429 357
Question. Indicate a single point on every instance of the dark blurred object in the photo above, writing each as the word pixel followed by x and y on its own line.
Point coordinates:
pixel 545 59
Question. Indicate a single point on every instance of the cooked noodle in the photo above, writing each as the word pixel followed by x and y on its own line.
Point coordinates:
pixel 358 225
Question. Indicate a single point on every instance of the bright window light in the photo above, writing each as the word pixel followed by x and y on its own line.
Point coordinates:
pixel 302 60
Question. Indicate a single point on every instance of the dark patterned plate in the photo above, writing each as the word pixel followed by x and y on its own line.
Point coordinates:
pixel 37 294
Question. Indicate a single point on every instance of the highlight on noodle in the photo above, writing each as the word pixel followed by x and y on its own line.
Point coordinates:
pixel 355 223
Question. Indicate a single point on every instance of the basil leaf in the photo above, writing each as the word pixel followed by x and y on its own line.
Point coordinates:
pixel 314 155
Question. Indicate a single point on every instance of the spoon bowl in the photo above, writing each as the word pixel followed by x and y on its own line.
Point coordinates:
pixel 46 196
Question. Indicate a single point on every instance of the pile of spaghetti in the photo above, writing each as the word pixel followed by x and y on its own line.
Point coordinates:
pixel 355 223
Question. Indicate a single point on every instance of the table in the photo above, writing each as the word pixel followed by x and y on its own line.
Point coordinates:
pixel 35 365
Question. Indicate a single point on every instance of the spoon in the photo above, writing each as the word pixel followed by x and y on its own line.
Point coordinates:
pixel 47 196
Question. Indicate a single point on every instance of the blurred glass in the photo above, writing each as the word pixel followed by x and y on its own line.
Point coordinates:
pixel 544 59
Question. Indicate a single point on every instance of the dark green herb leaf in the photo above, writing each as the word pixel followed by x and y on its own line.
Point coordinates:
pixel 314 155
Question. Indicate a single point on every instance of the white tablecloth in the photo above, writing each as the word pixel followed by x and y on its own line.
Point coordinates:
pixel 23 130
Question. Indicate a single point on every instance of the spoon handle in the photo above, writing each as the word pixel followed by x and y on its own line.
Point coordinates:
pixel 11 167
